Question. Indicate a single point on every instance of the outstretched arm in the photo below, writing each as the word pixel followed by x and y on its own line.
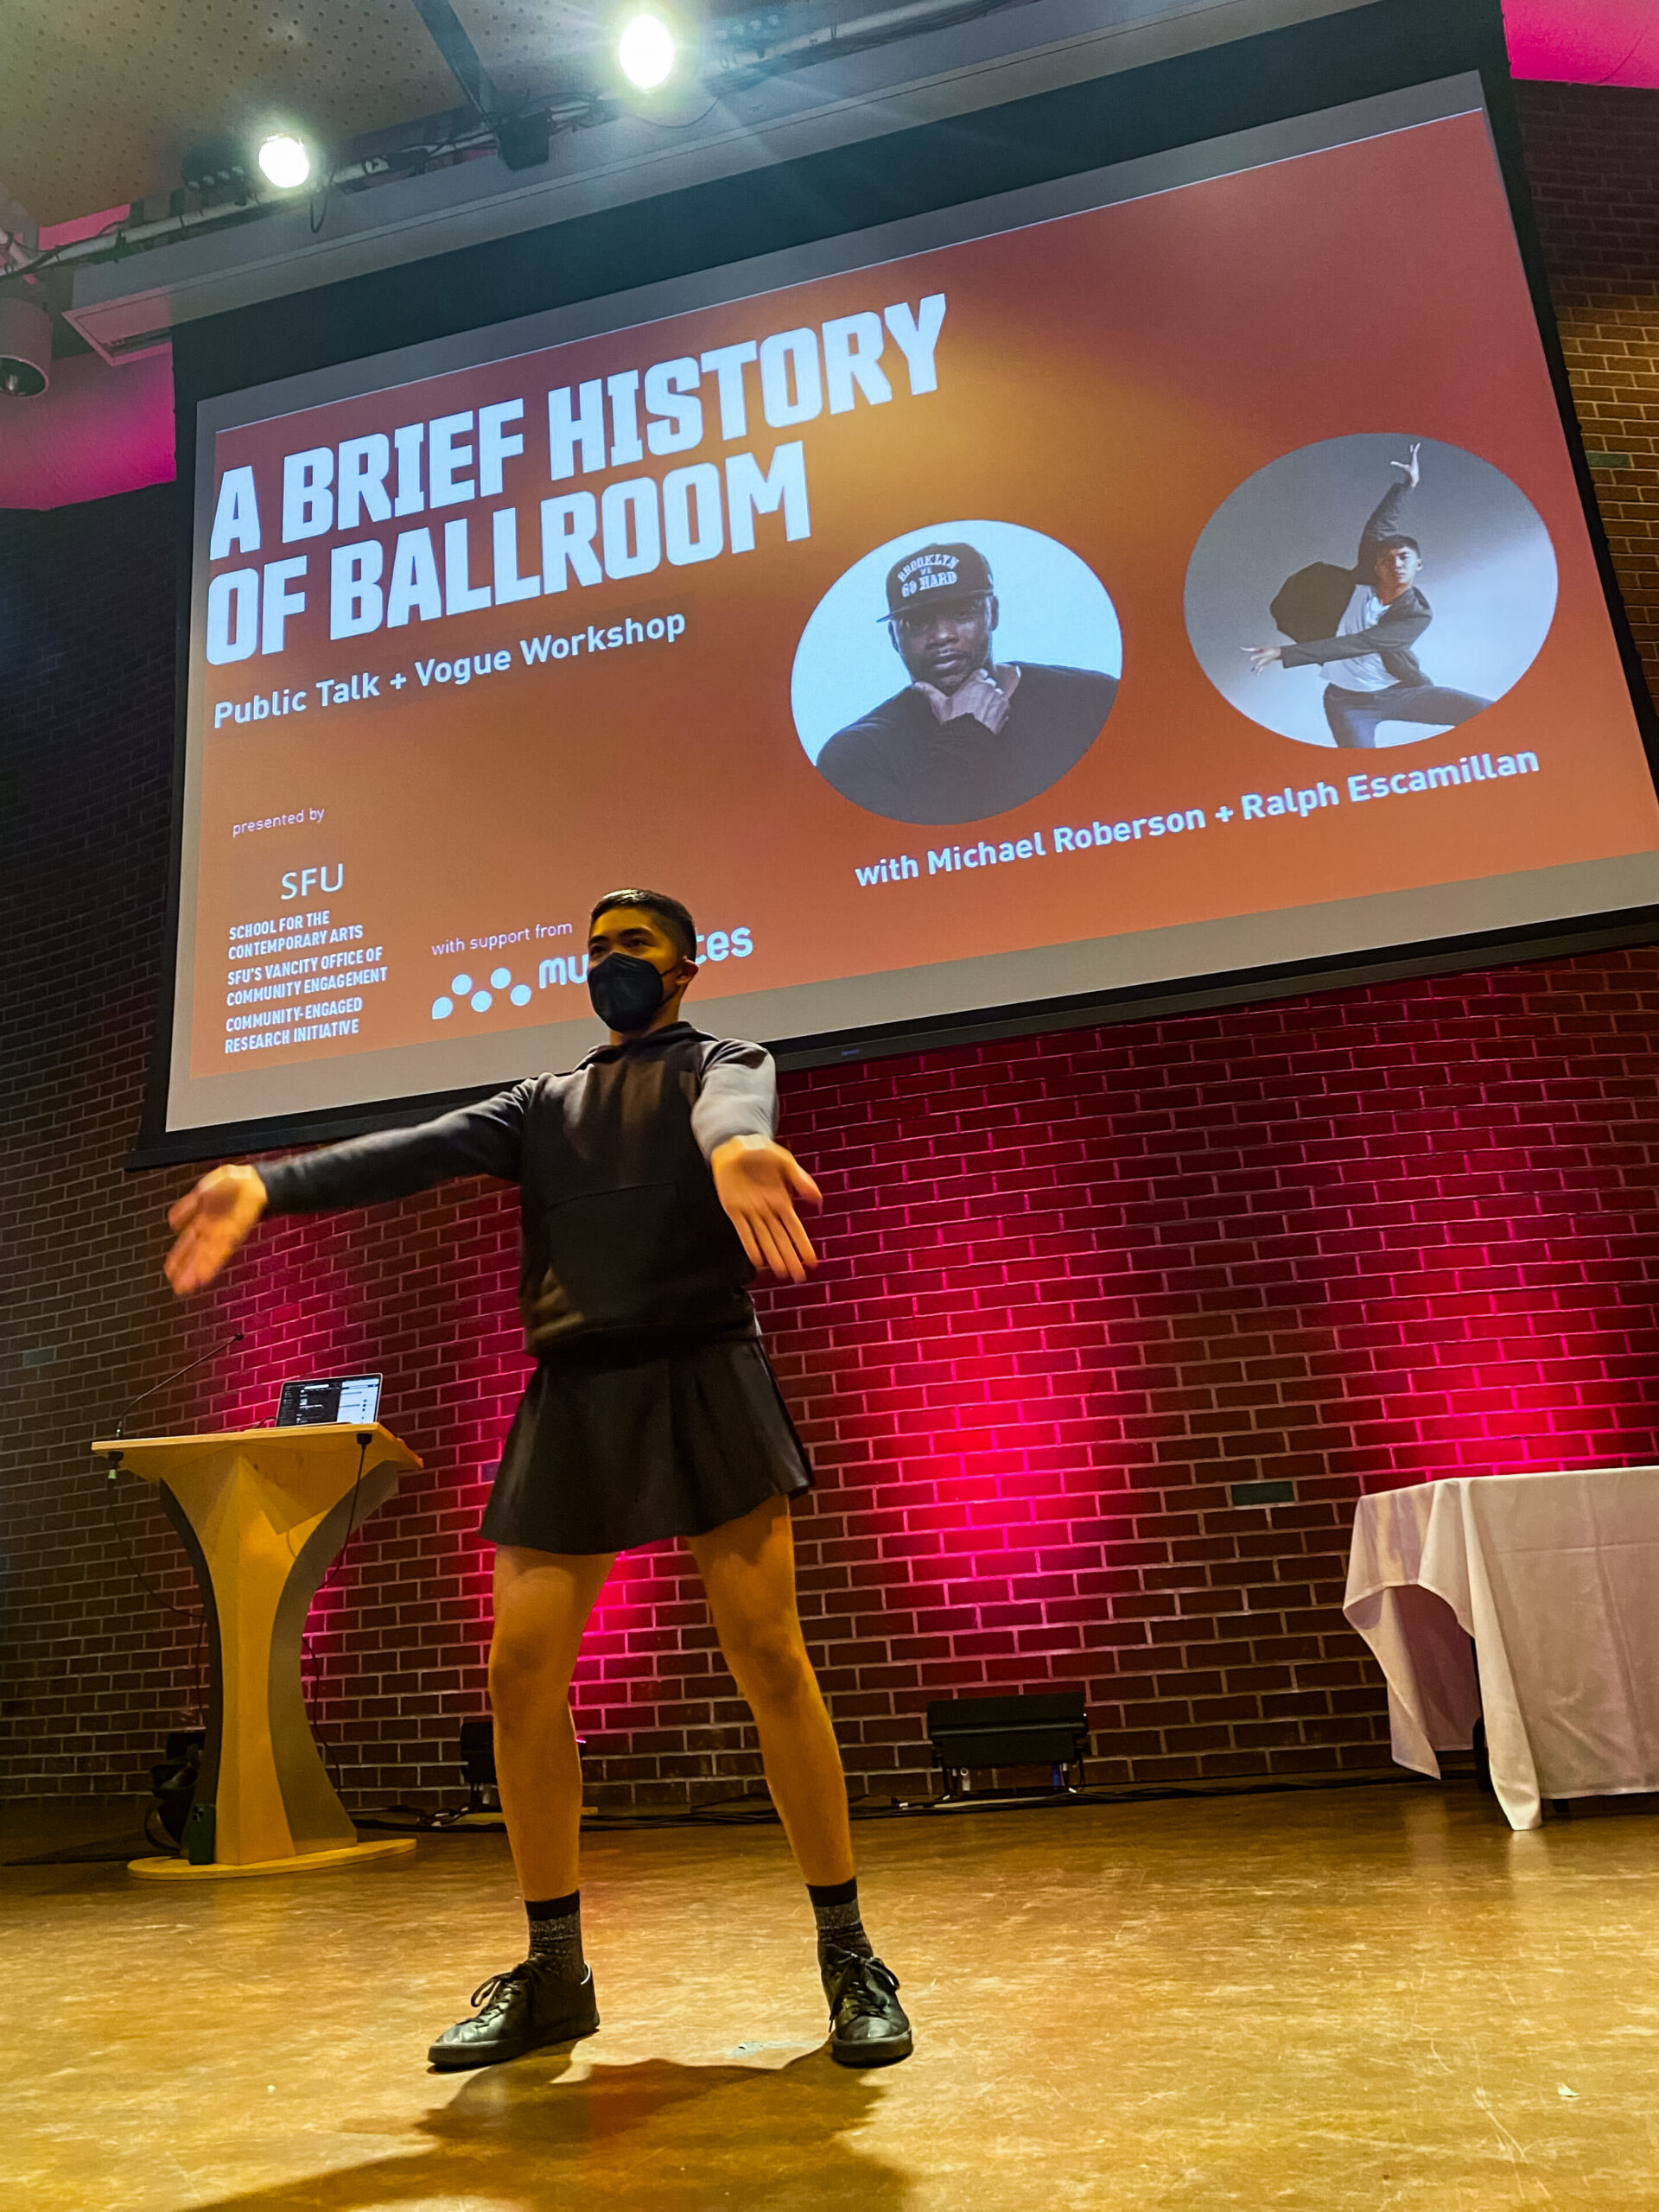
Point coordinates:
pixel 226 1205
pixel 1384 522
pixel 210 1223
pixel 1385 519
pixel 756 1181
pixel 1403 624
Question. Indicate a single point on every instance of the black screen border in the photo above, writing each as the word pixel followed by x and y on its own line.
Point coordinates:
pixel 1390 45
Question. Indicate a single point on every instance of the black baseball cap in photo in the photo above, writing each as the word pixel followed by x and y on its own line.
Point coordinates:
pixel 934 574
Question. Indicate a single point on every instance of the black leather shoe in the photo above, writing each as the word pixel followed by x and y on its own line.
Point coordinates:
pixel 867 2025
pixel 519 2011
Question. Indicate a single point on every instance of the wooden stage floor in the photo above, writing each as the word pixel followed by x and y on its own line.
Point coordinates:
pixel 1355 2001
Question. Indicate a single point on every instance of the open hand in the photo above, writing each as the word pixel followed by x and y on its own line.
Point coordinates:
pixel 1409 469
pixel 1263 657
pixel 758 1183
pixel 210 1220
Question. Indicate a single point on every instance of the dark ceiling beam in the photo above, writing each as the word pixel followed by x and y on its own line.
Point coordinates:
pixel 449 35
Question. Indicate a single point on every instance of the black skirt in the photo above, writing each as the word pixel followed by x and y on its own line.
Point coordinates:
pixel 604 1454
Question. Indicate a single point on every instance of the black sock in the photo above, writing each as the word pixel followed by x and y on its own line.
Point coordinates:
pixel 556 1934
pixel 835 1907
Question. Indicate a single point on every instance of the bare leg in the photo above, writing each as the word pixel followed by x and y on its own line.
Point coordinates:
pixel 542 1603
pixel 748 1570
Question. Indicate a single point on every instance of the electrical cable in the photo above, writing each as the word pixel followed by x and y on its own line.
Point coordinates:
pixel 179 1612
pixel 195 1715
pixel 755 1812
pixel 318 1690
pixel 671 123
pixel 317 205
pixel 113 1474
pixel 156 1834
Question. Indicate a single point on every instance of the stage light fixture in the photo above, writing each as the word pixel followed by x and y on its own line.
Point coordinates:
pixel 478 1766
pixel 1043 1728
pixel 284 160
pixel 25 348
pixel 524 141
pixel 645 52
pixel 215 165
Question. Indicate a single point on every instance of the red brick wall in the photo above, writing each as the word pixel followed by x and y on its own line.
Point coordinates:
pixel 1593 159
pixel 1075 1285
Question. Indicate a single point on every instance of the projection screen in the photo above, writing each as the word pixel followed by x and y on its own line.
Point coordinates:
pixel 1172 571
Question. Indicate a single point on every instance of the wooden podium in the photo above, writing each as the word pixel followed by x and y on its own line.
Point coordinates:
pixel 263 1512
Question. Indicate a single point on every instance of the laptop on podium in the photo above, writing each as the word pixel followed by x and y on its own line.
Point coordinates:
pixel 353 1398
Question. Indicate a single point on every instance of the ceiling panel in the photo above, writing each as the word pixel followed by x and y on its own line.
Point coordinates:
pixel 99 99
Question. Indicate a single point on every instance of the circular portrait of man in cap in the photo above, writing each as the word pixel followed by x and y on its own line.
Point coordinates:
pixel 1008 654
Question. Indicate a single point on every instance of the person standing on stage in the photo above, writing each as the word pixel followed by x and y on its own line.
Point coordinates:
pixel 1375 675
pixel 650 1188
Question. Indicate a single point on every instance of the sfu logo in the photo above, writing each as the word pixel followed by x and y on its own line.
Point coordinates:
pixel 301 882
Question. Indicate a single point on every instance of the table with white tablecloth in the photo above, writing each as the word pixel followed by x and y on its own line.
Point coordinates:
pixel 1530 1601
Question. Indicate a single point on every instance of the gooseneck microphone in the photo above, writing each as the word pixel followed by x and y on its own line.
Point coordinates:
pixel 189 1368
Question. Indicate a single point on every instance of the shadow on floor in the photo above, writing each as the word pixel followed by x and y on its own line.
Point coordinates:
pixel 109 1851
pixel 653 2137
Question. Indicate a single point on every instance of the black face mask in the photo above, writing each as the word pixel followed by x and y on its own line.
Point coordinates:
pixel 625 991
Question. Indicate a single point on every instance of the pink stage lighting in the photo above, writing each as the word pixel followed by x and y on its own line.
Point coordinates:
pixel 1585 41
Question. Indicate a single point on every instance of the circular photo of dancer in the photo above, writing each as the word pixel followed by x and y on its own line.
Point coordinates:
pixel 956 673
pixel 1370 591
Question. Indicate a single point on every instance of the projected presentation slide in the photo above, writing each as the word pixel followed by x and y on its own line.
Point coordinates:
pixel 1167 572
